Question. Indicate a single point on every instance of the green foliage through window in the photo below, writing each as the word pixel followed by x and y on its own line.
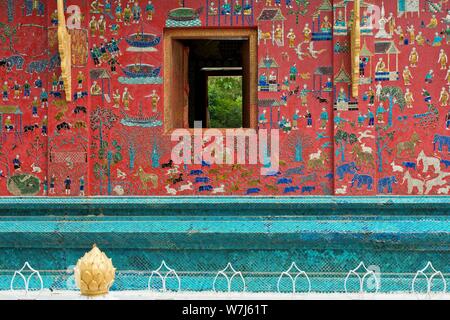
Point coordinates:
pixel 225 102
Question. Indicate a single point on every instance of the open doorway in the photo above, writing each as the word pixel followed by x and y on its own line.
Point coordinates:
pixel 213 64
pixel 224 108
pixel 210 76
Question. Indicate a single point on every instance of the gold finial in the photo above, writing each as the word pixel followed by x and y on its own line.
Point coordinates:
pixel 94 273
pixel 356 47
pixel 65 51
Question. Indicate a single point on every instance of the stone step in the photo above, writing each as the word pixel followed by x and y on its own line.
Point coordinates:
pixel 225 232
pixel 325 236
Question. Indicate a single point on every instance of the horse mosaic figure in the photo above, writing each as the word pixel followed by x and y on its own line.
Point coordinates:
pixel 413 183
pixel 318 163
pixel 408 146
pixel 146 178
pixel 363 158
pixel 439 181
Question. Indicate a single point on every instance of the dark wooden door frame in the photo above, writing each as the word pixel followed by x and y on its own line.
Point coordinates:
pixel 175 113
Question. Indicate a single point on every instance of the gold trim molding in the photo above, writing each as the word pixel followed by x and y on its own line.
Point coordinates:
pixel 65 51
pixel 356 47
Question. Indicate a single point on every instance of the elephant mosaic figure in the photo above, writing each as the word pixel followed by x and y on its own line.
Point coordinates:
pixel 54 61
pixel 386 182
pixel 363 179
pixel 348 168
pixel 441 141
pixel 13 61
pixel 38 66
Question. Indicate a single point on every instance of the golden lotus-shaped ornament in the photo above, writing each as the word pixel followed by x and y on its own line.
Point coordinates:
pixel 94 273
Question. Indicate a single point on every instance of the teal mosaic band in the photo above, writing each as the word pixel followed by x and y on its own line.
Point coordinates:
pixel 237 206
pixel 325 236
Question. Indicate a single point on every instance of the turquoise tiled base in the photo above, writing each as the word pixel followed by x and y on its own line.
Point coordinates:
pixel 325 236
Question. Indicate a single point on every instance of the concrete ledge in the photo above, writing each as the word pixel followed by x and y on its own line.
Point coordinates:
pixel 226 222
pixel 225 233
pixel 148 295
